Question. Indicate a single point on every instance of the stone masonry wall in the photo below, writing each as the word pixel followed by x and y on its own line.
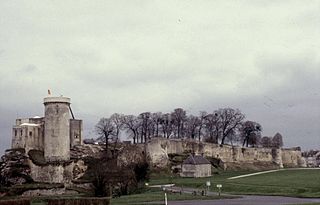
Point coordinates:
pixel 292 158
pixel 159 148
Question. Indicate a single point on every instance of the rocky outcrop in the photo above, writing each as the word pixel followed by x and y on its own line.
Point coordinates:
pixel 48 192
pixel 19 167
pixel 131 153
pixel 85 151
pixel 14 168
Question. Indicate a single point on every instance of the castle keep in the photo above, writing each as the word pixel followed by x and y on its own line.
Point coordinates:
pixel 53 134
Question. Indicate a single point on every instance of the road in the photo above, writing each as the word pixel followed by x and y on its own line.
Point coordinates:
pixel 244 200
pixel 248 200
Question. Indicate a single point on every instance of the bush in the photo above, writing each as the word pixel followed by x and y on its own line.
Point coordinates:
pixel 19 189
pixel 80 201
pixel 21 150
pixel 15 202
pixel 142 171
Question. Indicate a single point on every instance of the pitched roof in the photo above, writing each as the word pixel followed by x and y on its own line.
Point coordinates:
pixel 196 159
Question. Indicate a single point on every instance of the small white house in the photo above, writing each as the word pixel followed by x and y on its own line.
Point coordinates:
pixel 196 166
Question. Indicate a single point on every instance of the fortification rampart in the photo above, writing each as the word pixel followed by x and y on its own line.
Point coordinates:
pixel 159 148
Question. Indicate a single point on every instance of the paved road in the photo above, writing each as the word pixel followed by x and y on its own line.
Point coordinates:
pixel 244 200
pixel 248 200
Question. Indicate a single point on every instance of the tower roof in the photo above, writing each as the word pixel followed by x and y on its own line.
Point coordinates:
pixel 60 99
pixel 197 159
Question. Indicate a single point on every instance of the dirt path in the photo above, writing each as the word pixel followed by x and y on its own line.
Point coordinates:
pixel 256 173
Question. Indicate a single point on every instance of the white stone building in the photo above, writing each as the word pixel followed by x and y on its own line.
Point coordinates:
pixel 196 166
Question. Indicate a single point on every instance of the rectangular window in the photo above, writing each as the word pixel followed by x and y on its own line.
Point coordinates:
pixel 30 134
pixel 15 132
pixel 20 132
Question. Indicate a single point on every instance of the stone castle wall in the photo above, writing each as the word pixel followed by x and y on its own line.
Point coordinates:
pixel 159 149
pixel 292 158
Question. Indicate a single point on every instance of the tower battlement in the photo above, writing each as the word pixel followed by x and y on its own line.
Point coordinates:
pixel 60 99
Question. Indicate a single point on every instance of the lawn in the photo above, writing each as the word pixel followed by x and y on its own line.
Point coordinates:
pixel 154 195
pixel 300 183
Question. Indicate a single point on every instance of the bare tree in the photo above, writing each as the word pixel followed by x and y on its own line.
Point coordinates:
pixel 232 137
pixel 212 127
pixel 192 126
pixel 105 130
pixel 156 121
pixel 145 120
pixel 202 116
pixel 132 124
pixel 277 140
pixel 166 125
pixel 229 120
pixel 117 122
pixel 250 132
pixel 178 118
pixel 266 141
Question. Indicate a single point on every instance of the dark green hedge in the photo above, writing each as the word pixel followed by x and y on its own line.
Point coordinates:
pixel 80 201
pixel 15 202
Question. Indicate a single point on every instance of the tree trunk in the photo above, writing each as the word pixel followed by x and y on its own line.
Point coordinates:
pixel 106 136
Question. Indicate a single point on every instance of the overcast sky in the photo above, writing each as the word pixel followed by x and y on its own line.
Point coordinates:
pixel 262 57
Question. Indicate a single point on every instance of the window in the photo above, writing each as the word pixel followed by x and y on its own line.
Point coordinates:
pixel 15 132
pixel 21 132
pixel 30 134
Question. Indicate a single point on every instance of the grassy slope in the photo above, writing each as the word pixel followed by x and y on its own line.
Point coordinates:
pixel 300 183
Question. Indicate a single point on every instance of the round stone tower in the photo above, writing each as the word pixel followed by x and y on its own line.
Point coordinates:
pixel 56 129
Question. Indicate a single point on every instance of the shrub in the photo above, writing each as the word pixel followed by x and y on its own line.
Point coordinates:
pixel 15 202
pixel 142 171
pixel 80 201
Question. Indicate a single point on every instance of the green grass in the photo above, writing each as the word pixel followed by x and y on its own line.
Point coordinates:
pixel 155 195
pixel 299 183
pixel 307 204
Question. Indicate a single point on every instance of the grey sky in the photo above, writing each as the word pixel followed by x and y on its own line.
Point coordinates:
pixel 262 57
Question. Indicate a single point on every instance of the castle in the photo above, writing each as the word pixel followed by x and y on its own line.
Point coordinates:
pixel 57 138
pixel 53 134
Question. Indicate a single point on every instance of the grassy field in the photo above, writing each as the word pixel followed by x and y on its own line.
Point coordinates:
pixel 300 183
pixel 155 195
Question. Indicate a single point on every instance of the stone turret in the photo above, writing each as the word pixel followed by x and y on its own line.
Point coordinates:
pixel 57 129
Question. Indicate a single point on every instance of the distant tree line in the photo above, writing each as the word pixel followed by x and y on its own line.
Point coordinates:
pixel 222 126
